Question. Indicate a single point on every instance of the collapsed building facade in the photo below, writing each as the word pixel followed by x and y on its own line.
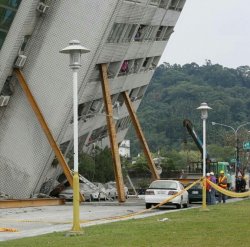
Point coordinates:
pixel 129 36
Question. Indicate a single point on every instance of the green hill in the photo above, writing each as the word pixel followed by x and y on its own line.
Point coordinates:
pixel 174 94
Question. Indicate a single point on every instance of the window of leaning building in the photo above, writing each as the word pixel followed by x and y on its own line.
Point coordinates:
pixel 8 9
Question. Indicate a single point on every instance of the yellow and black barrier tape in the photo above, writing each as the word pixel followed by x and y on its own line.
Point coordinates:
pixel 4 229
pixel 228 192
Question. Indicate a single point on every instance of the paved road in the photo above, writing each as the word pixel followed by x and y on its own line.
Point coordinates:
pixel 34 221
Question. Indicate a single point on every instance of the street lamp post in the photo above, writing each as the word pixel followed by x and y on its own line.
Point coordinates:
pixel 204 114
pixel 236 141
pixel 75 50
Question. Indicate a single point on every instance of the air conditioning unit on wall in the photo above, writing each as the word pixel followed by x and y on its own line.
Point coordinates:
pixel 20 61
pixel 42 7
pixel 4 100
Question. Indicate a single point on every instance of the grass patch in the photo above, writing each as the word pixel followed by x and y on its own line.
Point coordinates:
pixel 224 225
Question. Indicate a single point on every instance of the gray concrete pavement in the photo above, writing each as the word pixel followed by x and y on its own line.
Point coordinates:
pixel 34 221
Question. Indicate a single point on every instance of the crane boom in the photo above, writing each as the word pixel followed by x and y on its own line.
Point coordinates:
pixel 189 126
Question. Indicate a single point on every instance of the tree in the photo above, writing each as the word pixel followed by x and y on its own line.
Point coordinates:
pixel 98 166
pixel 87 166
pixel 221 153
pixel 104 166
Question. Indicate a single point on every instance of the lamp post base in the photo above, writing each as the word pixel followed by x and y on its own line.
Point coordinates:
pixel 76 211
pixel 204 205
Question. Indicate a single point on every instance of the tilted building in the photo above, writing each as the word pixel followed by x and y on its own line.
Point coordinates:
pixel 127 35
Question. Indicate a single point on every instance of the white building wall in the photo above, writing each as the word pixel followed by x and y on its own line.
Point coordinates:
pixel 24 147
pixel 25 154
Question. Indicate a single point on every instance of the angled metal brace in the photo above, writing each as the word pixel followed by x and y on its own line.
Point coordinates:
pixel 45 128
pixel 140 135
pixel 112 133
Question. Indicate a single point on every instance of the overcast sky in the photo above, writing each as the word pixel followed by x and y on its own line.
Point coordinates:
pixel 218 30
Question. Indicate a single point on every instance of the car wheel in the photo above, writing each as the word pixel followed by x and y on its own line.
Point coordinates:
pixel 185 205
pixel 148 205
pixel 178 206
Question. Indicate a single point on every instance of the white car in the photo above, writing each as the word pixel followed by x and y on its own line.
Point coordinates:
pixel 160 190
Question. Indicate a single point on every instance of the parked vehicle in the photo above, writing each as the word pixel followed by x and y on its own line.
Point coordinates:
pixel 125 189
pixel 94 192
pixel 102 191
pixel 195 193
pixel 110 190
pixel 160 190
pixel 113 190
pixel 67 193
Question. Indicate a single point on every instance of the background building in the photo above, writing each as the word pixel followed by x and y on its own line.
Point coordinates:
pixel 124 148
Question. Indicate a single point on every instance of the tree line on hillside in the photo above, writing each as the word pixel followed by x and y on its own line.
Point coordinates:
pixel 176 91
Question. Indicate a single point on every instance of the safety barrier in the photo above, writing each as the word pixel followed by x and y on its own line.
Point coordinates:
pixel 228 192
pixel 3 229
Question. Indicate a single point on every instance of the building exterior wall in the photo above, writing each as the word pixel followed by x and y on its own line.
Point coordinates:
pixel 25 154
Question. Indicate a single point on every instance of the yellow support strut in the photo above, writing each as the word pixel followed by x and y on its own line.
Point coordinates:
pixel 112 133
pixel 140 135
pixel 45 128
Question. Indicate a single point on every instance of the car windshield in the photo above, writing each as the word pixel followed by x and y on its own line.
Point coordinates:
pixel 163 185
pixel 196 186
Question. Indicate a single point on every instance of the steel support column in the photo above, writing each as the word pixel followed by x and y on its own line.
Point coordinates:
pixel 140 135
pixel 45 128
pixel 112 133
